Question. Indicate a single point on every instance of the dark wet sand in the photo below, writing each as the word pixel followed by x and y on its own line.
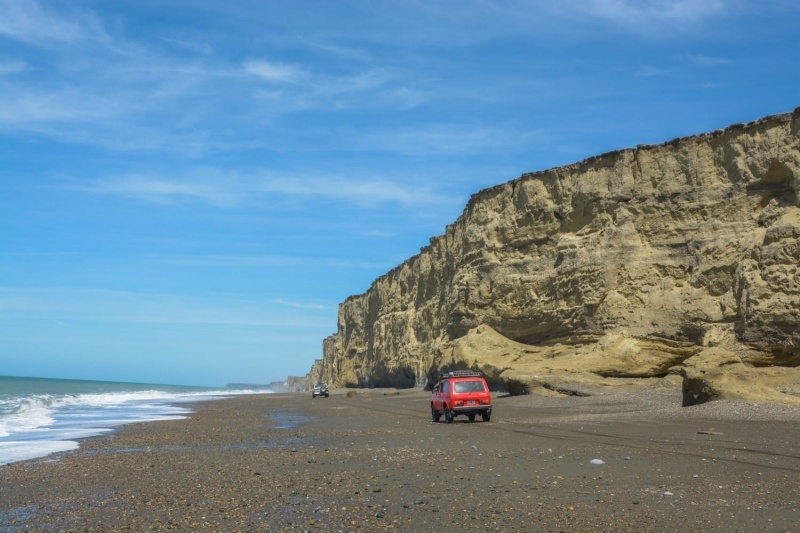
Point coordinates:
pixel 376 461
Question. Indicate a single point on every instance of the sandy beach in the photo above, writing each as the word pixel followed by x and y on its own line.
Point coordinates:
pixel 373 460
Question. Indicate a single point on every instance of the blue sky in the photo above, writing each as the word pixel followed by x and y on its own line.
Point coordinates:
pixel 189 188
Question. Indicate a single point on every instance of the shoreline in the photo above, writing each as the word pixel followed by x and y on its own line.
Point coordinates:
pixel 41 416
pixel 375 461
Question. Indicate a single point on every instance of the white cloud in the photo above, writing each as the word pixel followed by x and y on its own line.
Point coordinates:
pixel 448 139
pixel 650 72
pixel 103 305
pixel 192 46
pixel 338 50
pixel 364 89
pixel 232 260
pixel 300 305
pixel 700 60
pixel 274 72
pixel 260 261
pixel 367 80
pixel 362 192
pixel 12 67
pixel 28 108
pixel 377 234
pixel 632 12
pixel 162 190
pixel 128 95
pixel 224 189
pixel 28 21
pixel 643 17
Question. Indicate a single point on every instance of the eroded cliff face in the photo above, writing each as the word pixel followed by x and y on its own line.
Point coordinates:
pixel 680 258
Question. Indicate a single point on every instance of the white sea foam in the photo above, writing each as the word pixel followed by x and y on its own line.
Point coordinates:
pixel 11 451
pixel 40 424
pixel 24 414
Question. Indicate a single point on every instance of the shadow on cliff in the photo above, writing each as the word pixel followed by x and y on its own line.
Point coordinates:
pixel 399 378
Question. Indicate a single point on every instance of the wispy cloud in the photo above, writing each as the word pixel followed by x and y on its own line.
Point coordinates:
pixel 449 139
pixel 274 72
pixel 261 261
pixel 102 305
pixel 225 189
pixel 651 72
pixel 14 66
pixel 335 49
pixel 366 88
pixel 192 46
pixel 69 104
pixel 135 95
pixel 643 16
pixel 30 22
pixel 362 192
pixel 164 190
pixel 376 234
pixel 301 305
pixel 632 12
pixel 130 96
pixel 700 60
pixel 232 260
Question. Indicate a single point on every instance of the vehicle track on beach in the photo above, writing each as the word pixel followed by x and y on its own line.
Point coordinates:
pixel 720 450
pixel 377 462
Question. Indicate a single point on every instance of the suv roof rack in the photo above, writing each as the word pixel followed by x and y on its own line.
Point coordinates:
pixel 460 374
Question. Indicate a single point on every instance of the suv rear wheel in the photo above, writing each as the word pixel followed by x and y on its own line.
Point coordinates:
pixel 448 415
pixel 486 415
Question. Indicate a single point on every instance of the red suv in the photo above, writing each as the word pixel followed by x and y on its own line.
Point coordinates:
pixel 461 392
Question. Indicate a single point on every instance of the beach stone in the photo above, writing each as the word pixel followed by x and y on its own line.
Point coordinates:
pixel 204 476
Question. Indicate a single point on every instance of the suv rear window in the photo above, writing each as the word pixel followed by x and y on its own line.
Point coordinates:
pixel 469 386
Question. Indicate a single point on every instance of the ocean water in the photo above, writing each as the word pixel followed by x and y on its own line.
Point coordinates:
pixel 43 416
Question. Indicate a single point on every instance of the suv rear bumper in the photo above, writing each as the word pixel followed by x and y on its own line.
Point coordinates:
pixel 471 409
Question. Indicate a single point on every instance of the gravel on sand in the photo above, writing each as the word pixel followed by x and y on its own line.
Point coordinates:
pixel 373 460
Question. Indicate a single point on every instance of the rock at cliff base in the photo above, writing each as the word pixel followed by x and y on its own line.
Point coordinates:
pixel 716 373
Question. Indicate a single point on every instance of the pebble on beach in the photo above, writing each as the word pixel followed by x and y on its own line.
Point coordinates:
pixel 375 462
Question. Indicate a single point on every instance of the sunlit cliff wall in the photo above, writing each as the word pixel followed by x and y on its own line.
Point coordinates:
pixel 646 262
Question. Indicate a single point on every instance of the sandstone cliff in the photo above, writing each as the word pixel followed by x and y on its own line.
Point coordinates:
pixel 677 260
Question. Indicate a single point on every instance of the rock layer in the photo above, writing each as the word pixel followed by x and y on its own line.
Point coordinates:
pixel 678 259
